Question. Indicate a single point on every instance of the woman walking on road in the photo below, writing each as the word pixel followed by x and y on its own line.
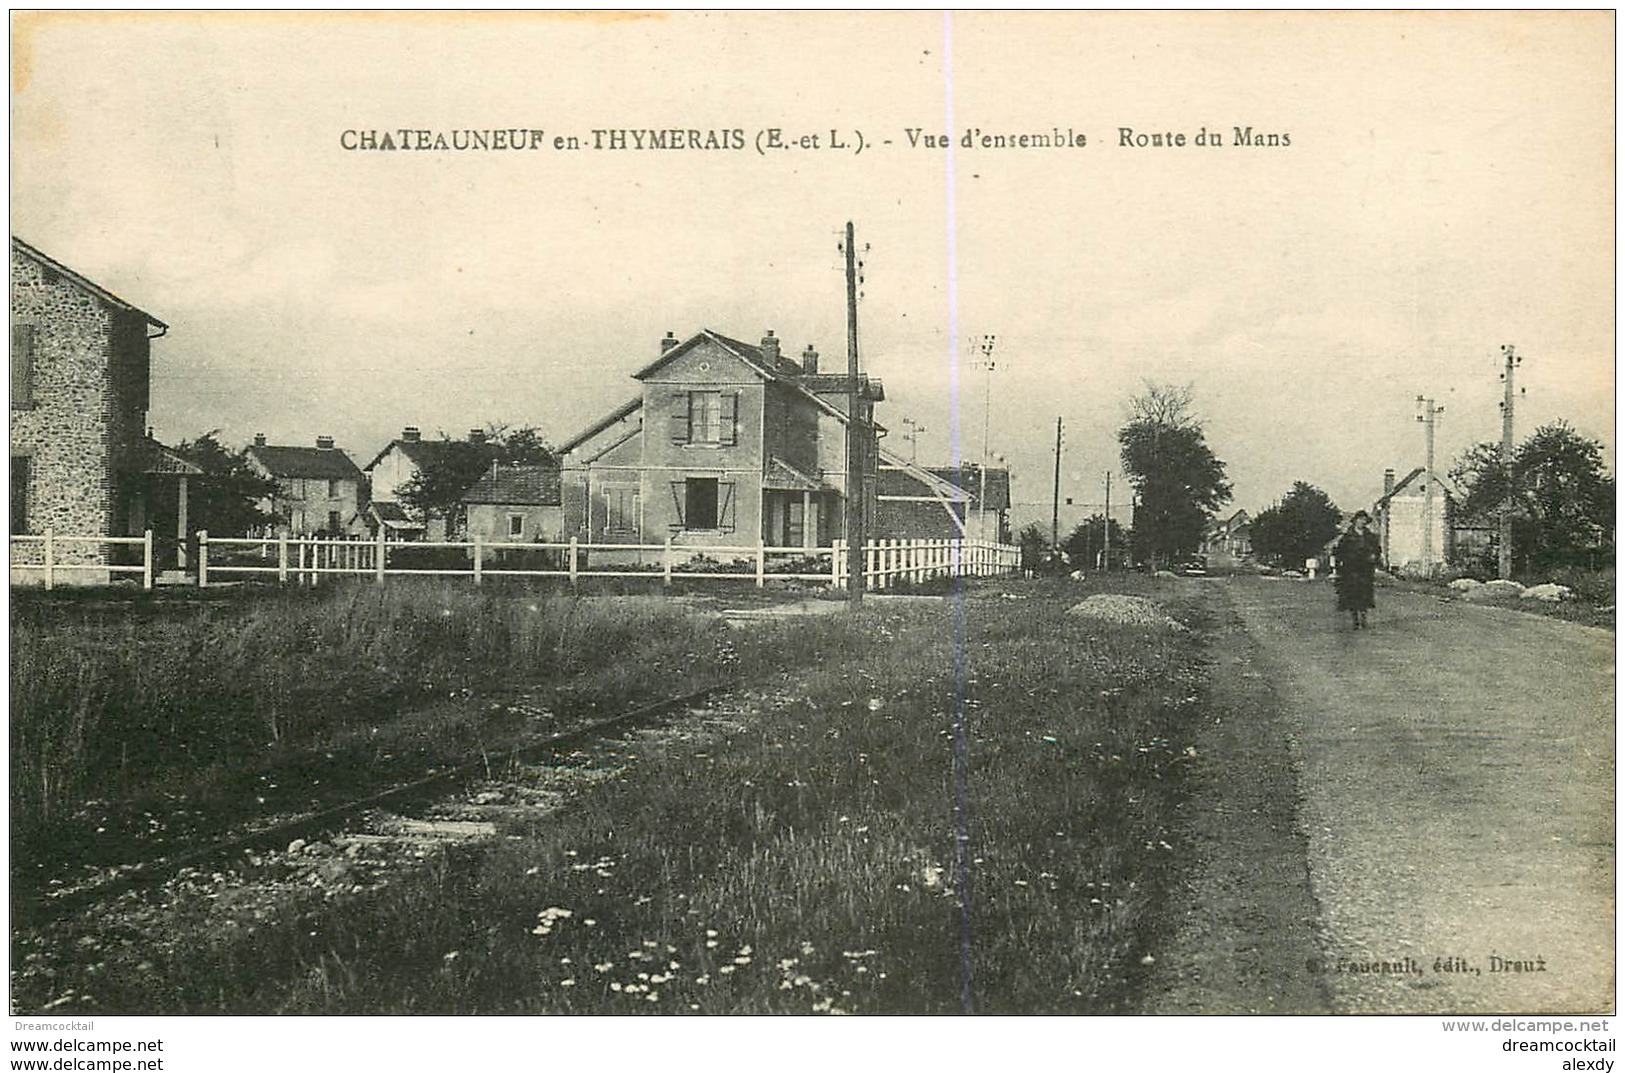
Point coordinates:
pixel 1356 561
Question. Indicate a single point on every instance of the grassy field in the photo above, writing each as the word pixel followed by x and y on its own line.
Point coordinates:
pixel 931 807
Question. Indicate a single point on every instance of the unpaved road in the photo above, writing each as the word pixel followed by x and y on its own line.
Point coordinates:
pixel 1414 818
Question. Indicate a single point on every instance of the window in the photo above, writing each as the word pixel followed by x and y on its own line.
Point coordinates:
pixel 332 488
pixel 19 493
pixel 621 509
pixel 516 526
pixel 705 418
pixel 22 366
pixel 333 521
pixel 700 510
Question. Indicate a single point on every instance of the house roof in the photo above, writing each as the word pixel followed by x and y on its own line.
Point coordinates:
pixel 620 412
pixel 326 463
pixel 899 477
pixel 392 515
pixel 424 452
pixel 1444 485
pixel 150 456
pixel 104 294
pixel 783 369
pixel 517 485
pixel 969 477
pixel 781 476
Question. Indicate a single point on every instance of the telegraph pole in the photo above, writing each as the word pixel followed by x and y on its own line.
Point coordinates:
pixel 1504 558
pixel 1055 508
pixel 854 434
pixel 1106 556
pixel 1429 418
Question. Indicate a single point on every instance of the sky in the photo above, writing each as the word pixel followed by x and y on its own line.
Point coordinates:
pixel 1448 188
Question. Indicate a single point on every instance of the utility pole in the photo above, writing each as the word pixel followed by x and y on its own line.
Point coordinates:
pixel 1429 418
pixel 855 439
pixel 1504 558
pixel 1055 508
pixel 913 437
pixel 1106 556
pixel 986 362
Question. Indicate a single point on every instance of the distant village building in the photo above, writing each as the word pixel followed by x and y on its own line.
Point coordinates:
pixel 396 465
pixel 941 502
pixel 726 443
pixel 1401 521
pixel 515 505
pixel 82 463
pixel 1227 541
pixel 319 490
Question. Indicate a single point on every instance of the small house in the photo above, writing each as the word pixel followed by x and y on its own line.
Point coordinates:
pixel 319 490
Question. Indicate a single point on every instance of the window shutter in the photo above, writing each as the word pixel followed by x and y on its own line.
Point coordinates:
pixel 725 508
pixel 730 419
pixel 678 490
pixel 22 366
pixel 680 416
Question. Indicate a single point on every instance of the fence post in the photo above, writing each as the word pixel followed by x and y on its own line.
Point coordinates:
pixel 282 558
pixel 378 555
pixel 146 560
pixel 837 557
pixel 574 569
pixel 202 558
pixel 50 559
pixel 666 576
pixel 761 563
pixel 479 560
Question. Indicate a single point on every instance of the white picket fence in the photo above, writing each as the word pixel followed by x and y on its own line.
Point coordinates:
pixel 309 560
pixel 52 567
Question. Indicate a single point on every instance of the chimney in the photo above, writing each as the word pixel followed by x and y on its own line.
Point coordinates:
pixel 324 443
pixel 259 439
pixel 411 434
pixel 809 361
pixel 476 435
pixel 770 349
pixel 668 342
pixel 1387 482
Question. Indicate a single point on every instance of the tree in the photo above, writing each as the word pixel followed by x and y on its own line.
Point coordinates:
pixel 226 499
pixel 1298 527
pixel 1177 480
pixel 444 475
pixel 1086 543
pixel 1034 542
pixel 1562 500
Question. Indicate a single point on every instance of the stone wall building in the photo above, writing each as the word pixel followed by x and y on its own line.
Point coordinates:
pixel 82 463
pixel 319 490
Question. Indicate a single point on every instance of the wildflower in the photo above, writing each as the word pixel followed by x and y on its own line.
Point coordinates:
pixel 571 982
pixel 742 960
pixel 604 966
pixel 745 950
pixel 674 966
pixel 710 944
pixel 725 970
pixel 710 933
pixel 615 985
pixel 449 955
pixel 590 922
pixel 703 980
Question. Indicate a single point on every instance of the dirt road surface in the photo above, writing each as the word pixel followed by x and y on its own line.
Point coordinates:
pixel 1413 818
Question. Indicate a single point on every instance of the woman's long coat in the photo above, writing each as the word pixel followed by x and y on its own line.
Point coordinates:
pixel 1357 555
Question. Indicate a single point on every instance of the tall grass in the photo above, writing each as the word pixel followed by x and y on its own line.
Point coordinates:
pixel 808 864
pixel 108 700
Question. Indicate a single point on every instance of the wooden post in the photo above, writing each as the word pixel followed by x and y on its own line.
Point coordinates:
pixel 304 579
pixel 146 560
pixel 575 569
pixel 379 556
pixel 180 525
pixel 479 560
pixel 666 564
pixel 50 560
pixel 202 558
pixel 282 558
pixel 761 564
pixel 836 557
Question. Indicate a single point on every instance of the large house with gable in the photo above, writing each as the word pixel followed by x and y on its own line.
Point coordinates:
pixel 726 443
pixel 82 462
pixel 319 490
